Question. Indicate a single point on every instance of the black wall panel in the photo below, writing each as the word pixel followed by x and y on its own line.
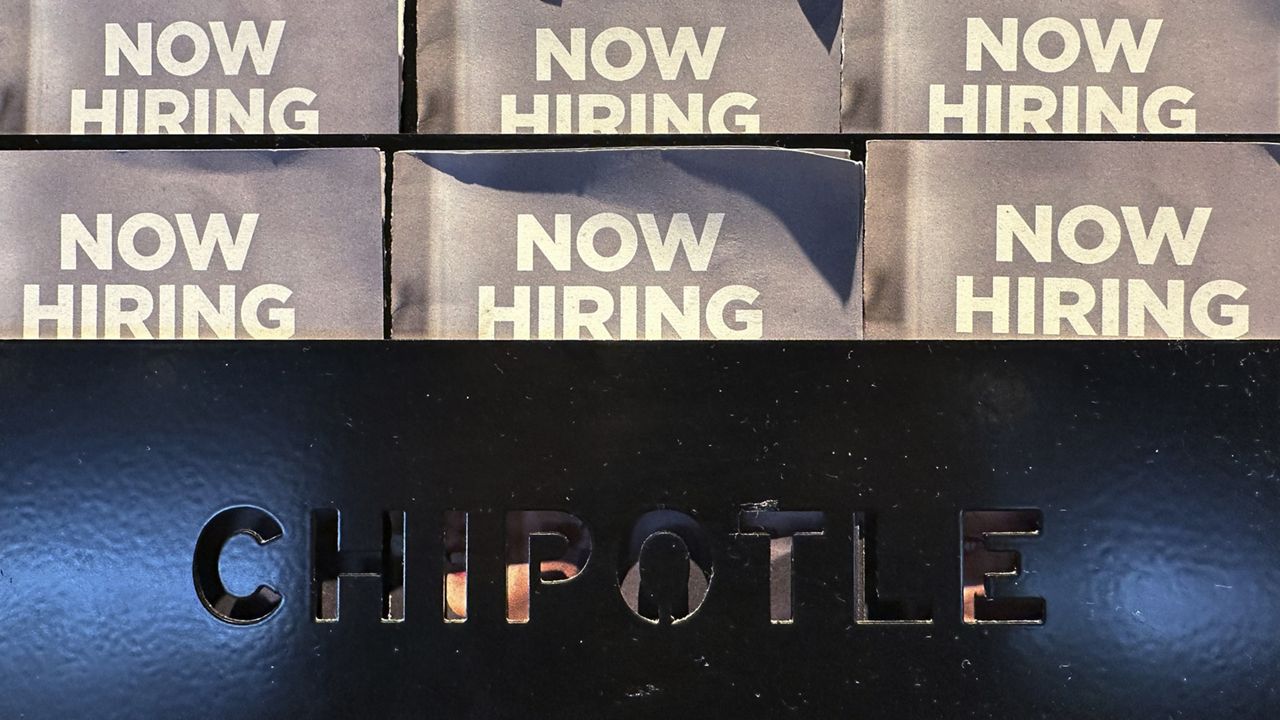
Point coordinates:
pixel 1153 467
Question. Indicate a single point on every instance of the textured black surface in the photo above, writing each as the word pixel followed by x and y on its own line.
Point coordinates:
pixel 1154 465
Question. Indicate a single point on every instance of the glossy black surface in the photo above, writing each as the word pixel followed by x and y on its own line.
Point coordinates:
pixel 1154 465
